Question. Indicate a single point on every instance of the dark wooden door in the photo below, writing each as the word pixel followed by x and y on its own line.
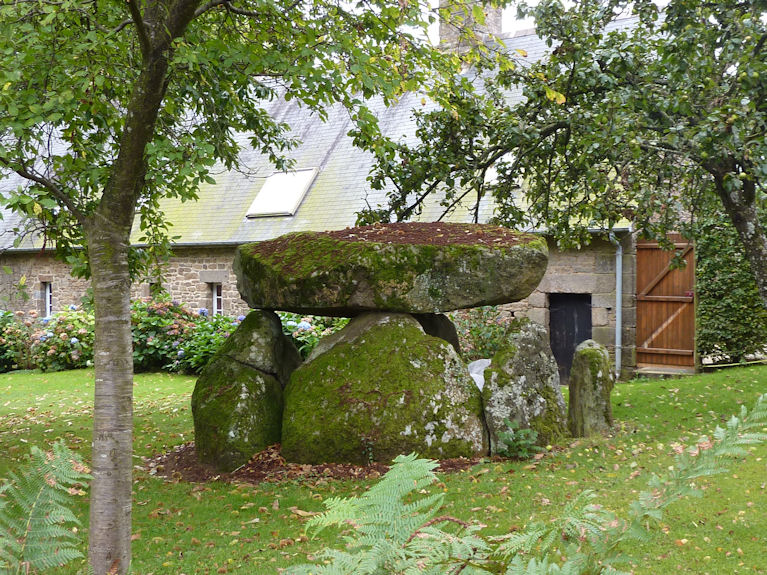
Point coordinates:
pixel 569 325
pixel 665 307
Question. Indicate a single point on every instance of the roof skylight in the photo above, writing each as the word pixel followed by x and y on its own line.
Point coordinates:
pixel 282 193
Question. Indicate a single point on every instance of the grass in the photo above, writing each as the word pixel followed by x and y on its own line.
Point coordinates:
pixel 224 528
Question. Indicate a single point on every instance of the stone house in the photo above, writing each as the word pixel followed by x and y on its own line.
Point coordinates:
pixel 585 293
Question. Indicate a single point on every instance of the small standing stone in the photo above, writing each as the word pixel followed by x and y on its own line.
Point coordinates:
pixel 591 382
pixel 522 385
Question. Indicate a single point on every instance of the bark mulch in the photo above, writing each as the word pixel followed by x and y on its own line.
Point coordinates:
pixel 181 464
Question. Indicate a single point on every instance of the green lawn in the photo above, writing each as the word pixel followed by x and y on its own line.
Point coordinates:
pixel 224 528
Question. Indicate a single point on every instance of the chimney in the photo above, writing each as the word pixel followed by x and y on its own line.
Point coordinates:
pixel 461 19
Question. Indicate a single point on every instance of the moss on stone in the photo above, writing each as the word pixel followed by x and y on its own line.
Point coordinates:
pixel 550 423
pixel 591 383
pixel 391 390
pixel 237 411
pixel 311 272
pixel 522 385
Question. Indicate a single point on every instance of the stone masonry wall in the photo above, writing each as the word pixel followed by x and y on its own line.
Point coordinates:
pixel 190 275
pixel 21 289
pixel 192 272
pixel 590 270
pixel 188 279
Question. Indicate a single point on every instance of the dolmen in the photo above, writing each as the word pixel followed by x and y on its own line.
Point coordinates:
pixel 389 382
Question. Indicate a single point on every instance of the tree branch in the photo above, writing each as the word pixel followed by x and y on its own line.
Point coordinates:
pixel 143 37
pixel 49 185
pixel 209 6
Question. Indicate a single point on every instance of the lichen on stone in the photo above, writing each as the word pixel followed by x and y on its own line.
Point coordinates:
pixel 591 383
pixel 388 390
pixel 237 401
pixel 522 385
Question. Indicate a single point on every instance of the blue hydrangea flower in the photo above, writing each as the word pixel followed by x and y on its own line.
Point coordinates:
pixel 174 344
pixel 180 353
pixel 72 307
pixel 240 318
pixel 304 325
pixel 45 321
pixel 203 311
pixel 43 338
pixel 291 323
pixel 49 334
pixel 74 340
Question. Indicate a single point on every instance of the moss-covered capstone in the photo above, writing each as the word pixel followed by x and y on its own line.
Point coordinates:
pixel 382 389
pixel 590 410
pixel 522 385
pixel 404 267
pixel 238 400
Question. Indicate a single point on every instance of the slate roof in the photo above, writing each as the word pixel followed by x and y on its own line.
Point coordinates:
pixel 340 189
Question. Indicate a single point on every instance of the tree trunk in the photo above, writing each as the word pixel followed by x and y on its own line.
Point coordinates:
pixel 108 236
pixel 110 498
pixel 744 215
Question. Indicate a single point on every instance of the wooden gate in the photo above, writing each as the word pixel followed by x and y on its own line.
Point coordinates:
pixel 665 307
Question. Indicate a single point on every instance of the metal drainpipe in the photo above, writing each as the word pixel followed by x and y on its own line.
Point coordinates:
pixel 618 303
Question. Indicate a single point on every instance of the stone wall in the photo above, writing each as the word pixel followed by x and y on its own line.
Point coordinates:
pixel 189 280
pixel 191 273
pixel 21 289
pixel 590 270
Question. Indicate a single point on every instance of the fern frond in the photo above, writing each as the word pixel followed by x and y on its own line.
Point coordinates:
pixel 35 519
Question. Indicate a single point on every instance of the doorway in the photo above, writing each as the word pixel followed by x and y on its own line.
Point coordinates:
pixel 569 325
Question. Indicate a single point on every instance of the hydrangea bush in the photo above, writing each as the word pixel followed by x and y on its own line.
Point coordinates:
pixel 64 341
pixel 8 338
pixel 307 330
pixel 166 336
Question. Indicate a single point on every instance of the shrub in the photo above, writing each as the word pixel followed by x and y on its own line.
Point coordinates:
pixel 7 361
pixel 64 341
pixel 482 331
pixel 16 339
pixel 158 330
pixel 165 336
pixel 168 336
pixel 200 343
pixel 731 317
pixel 308 330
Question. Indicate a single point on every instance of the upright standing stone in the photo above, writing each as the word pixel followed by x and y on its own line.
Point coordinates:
pixel 522 385
pixel 380 388
pixel 591 382
pixel 237 401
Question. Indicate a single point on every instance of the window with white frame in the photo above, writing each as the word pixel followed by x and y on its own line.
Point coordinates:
pixel 217 299
pixel 46 294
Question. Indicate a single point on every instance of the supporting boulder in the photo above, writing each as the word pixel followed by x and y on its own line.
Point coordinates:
pixel 238 400
pixel 522 385
pixel 419 268
pixel 591 382
pixel 382 388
